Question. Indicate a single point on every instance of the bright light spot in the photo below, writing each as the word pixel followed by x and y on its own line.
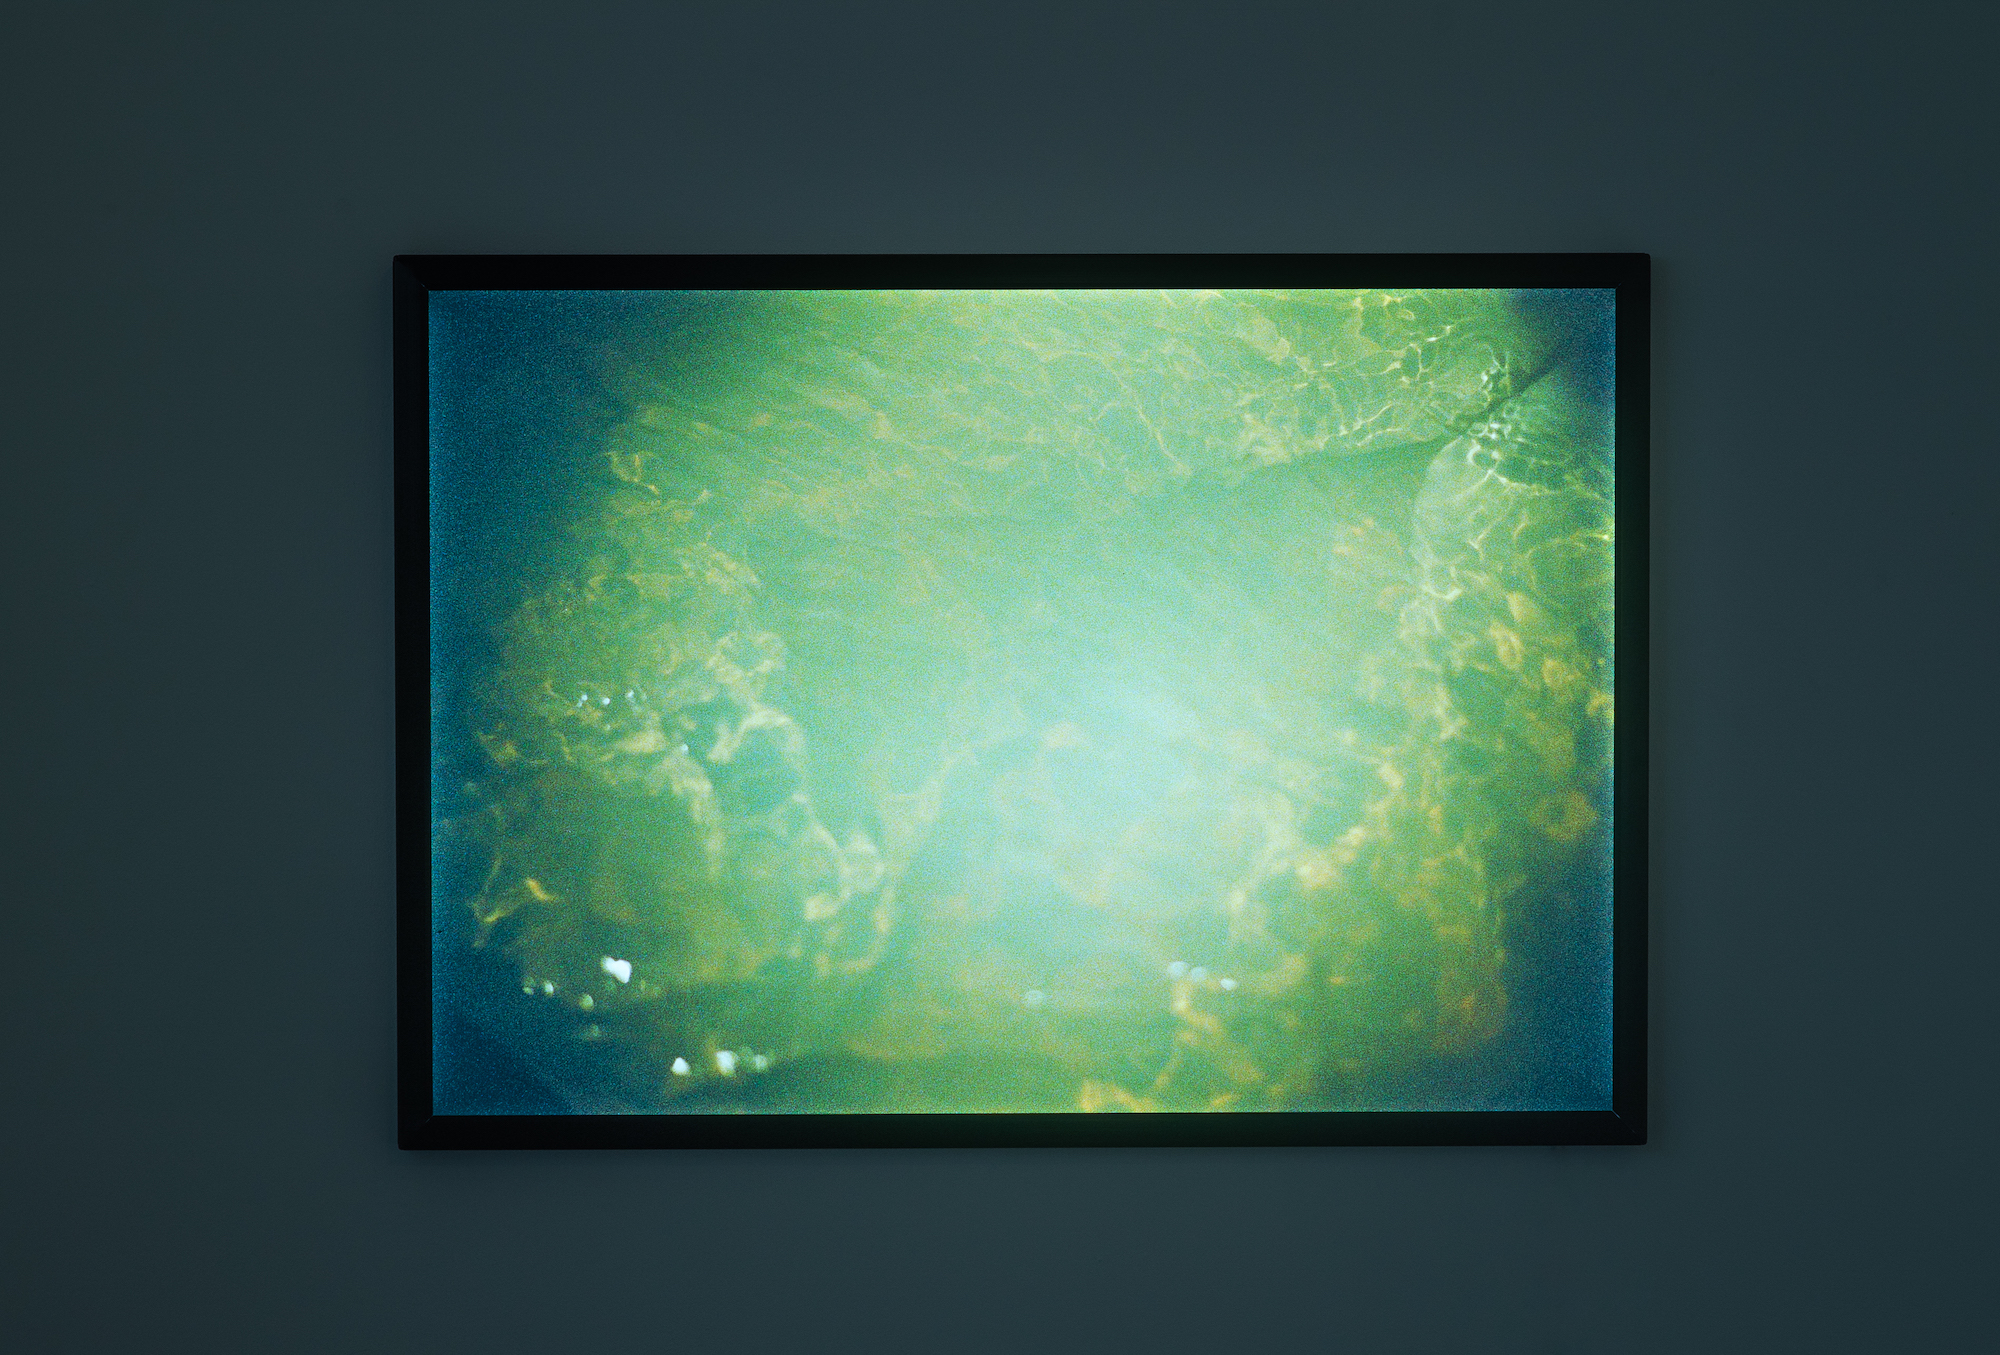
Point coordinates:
pixel 1198 973
pixel 1034 997
pixel 547 987
pixel 586 1002
pixel 620 970
pixel 759 1062
pixel 1177 970
pixel 681 1068
pixel 528 987
pixel 725 1062
pixel 1228 985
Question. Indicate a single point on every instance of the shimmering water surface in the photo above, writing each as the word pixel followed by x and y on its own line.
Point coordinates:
pixel 1086 701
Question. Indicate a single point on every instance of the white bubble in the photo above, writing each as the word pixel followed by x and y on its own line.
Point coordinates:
pixel 1228 985
pixel 725 1062
pixel 759 1062
pixel 1198 973
pixel 681 1068
pixel 547 987
pixel 586 1002
pixel 1034 997
pixel 620 970
pixel 1177 970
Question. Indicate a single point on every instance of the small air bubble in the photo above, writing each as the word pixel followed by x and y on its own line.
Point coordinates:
pixel 725 1062
pixel 1177 970
pixel 681 1068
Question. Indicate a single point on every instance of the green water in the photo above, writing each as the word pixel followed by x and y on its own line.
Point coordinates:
pixel 1064 701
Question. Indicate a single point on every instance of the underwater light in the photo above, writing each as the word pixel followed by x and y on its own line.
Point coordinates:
pixel 1067 700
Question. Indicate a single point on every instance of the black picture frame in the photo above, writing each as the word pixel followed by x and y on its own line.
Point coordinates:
pixel 418 278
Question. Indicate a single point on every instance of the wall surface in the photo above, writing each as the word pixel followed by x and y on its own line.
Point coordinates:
pixel 201 206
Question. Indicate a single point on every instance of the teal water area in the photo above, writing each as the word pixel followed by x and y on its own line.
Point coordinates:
pixel 1068 701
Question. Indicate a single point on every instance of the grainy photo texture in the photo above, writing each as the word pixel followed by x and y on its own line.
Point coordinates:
pixel 1021 700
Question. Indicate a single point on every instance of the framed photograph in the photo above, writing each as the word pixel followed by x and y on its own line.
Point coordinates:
pixel 1021 700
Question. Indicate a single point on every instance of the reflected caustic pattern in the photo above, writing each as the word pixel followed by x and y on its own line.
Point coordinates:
pixel 1067 701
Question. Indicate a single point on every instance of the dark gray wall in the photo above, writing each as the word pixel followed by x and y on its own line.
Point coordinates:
pixel 200 205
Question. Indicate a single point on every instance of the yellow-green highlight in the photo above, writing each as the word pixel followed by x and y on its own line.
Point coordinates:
pixel 1090 701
